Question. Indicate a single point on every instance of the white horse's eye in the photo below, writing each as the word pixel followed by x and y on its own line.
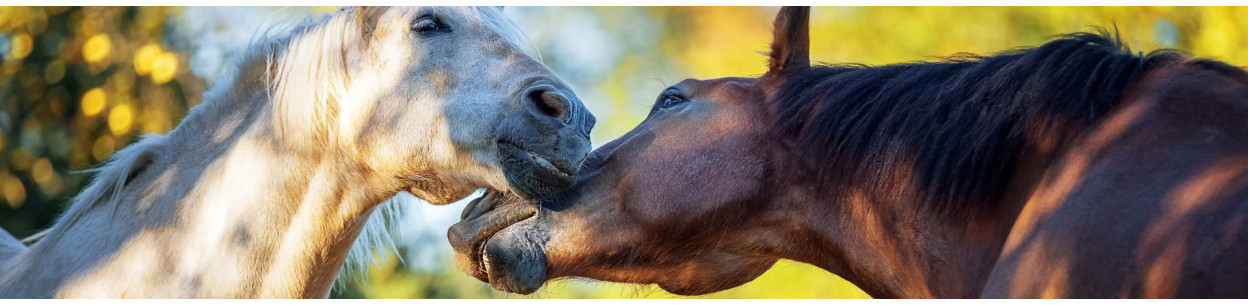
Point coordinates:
pixel 426 24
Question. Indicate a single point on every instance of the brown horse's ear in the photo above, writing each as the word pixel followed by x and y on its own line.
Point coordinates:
pixel 790 47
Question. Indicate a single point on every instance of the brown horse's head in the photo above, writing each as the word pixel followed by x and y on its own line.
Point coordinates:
pixel 698 165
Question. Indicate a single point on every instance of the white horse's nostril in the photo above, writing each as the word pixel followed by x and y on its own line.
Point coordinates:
pixel 547 102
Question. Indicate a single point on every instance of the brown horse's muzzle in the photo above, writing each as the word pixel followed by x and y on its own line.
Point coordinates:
pixel 512 261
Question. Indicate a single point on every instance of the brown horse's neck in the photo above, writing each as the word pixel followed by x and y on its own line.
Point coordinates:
pixel 911 176
pixel 878 238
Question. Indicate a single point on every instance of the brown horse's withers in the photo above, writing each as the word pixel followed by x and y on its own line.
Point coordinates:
pixel 1074 169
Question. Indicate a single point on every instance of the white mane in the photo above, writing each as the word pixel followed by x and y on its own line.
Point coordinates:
pixel 109 180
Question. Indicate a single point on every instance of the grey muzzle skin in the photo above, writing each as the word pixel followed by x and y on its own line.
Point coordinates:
pixel 541 148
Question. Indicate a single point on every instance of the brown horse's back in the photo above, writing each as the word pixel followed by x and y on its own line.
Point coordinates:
pixel 1152 202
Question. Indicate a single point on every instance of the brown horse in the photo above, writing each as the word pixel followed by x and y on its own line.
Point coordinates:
pixel 1072 169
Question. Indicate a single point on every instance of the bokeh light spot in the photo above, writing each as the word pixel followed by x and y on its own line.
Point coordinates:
pixel 41 171
pixel 12 17
pixel 93 101
pixel 53 186
pixel 20 159
pixel 54 71
pixel 102 147
pixel 164 67
pixel 20 46
pixel 119 119
pixel 97 48
pixel 14 191
pixel 145 57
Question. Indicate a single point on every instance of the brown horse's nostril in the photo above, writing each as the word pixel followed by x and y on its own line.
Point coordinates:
pixel 546 102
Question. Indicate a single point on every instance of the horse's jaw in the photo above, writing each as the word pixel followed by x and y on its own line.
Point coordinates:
pixel 439 193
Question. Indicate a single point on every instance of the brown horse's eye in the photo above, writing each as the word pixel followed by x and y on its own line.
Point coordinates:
pixel 426 24
pixel 670 98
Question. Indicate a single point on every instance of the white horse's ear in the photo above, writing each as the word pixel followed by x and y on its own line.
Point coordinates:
pixel 366 13
pixel 366 17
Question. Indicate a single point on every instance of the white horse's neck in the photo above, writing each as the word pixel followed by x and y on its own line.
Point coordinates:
pixel 238 217
pixel 233 212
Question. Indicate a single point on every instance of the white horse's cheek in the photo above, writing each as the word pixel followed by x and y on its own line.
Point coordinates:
pixel 369 95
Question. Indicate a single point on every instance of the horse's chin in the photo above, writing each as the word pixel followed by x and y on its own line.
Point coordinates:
pixel 440 193
pixel 714 276
pixel 696 287
pixel 513 259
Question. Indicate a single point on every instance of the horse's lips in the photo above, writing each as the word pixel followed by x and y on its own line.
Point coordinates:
pixel 496 279
pixel 548 166
pixel 508 261
pixel 483 257
pixel 485 261
pixel 541 161
pixel 534 174
pixel 484 264
pixel 483 220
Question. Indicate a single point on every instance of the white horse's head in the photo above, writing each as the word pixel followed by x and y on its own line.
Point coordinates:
pixel 440 98
pixel 323 124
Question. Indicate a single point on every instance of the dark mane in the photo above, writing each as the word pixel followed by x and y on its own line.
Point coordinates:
pixel 961 123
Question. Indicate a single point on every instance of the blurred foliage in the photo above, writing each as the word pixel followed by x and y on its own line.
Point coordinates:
pixel 77 84
pixel 710 42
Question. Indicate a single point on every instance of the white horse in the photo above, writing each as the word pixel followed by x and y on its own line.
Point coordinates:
pixel 262 189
